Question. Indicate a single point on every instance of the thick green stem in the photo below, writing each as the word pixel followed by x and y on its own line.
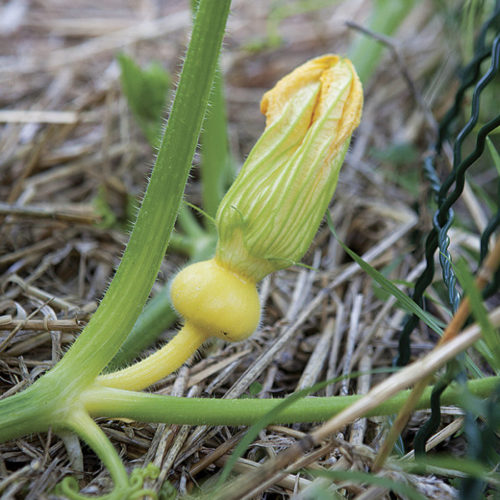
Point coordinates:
pixel 134 278
pixel 49 401
pixel 26 412
pixel 115 403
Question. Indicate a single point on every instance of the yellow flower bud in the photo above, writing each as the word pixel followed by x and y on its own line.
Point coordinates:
pixel 268 218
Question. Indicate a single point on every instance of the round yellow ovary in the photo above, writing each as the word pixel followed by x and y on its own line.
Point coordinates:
pixel 216 300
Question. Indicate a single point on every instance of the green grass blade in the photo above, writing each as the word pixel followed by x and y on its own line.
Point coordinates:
pixel 490 335
pixel 272 415
pixel 494 154
pixel 403 300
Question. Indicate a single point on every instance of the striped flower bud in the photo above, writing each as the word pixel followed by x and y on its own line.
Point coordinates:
pixel 269 216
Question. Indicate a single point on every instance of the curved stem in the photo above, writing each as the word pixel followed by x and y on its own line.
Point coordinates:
pixel 81 423
pixel 134 278
pixel 114 403
pixel 160 364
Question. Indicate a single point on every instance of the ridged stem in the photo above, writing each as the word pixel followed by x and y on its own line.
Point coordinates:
pixel 114 403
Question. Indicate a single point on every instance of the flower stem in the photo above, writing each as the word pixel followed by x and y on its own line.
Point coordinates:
pixel 115 403
pixel 160 364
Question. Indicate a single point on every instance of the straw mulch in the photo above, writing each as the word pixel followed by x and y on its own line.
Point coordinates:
pixel 67 138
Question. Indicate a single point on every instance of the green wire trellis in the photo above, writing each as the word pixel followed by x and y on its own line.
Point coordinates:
pixel 447 192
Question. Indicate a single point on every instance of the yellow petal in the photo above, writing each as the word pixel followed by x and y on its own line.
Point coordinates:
pixel 274 101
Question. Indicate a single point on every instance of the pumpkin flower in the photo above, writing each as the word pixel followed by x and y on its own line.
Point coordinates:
pixel 269 216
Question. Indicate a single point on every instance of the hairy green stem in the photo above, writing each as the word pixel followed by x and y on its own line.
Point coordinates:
pixel 115 403
pixel 134 278
pixel 199 244
pixel 26 412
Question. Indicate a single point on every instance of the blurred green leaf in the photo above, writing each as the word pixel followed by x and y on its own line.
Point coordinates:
pixel 386 17
pixel 494 154
pixel 255 388
pixel 146 93
pixel 490 335
pixel 447 465
pixel 398 154
pixel 110 218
